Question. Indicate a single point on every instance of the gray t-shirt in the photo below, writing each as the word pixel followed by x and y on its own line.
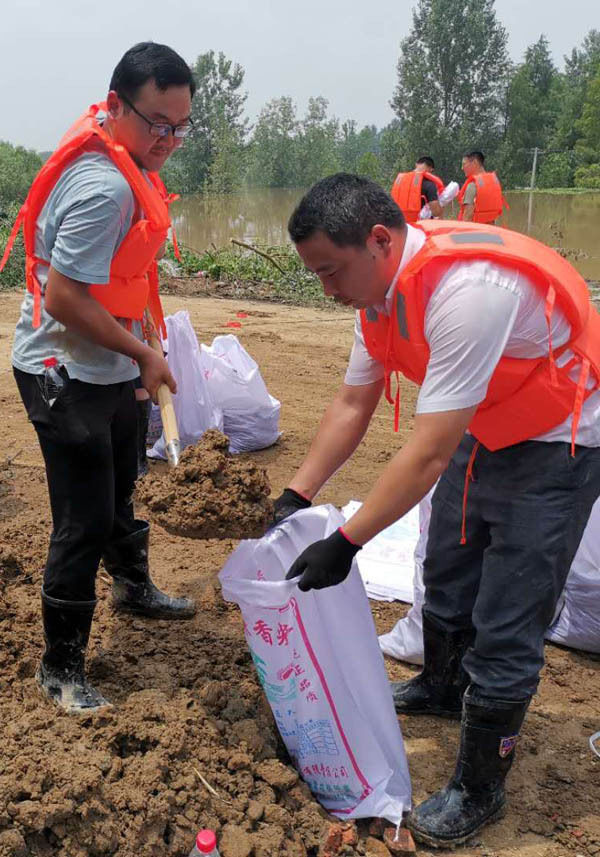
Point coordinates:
pixel 470 194
pixel 80 228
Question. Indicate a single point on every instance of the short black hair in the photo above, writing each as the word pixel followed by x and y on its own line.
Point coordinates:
pixel 345 207
pixel 475 155
pixel 150 61
pixel 427 161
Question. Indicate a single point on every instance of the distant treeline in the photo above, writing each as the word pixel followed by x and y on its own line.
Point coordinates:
pixel 455 90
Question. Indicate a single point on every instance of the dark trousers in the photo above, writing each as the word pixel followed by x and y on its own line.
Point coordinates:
pixel 527 508
pixel 88 438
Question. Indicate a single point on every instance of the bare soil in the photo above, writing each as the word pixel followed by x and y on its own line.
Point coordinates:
pixel 131 781
pixel 210 494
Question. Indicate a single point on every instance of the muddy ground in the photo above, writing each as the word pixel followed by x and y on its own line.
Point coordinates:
pixel 127 782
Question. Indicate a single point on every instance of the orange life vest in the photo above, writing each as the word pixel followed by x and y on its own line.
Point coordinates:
pixel 406 192
pixel 133 284
pixel 489 200
pixel 525 397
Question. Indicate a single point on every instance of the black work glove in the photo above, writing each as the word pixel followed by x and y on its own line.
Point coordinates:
pixel 324 563
pixel 288 503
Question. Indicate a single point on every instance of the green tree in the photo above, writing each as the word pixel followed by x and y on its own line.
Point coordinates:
pixel 272 157
pixel 580 69
pixel 392 151
pixel 316 143
pixel 369 166
pixel 588 127
pixel 451 70
pixel 217 114
pixel 354 146
pixel 532 108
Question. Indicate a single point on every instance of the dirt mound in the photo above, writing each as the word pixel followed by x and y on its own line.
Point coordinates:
pixel 186 696
pixel 210 494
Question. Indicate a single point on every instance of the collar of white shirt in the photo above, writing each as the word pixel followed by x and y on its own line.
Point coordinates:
pixel 415 238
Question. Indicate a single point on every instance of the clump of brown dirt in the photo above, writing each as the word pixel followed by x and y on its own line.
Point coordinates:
pixel 210 494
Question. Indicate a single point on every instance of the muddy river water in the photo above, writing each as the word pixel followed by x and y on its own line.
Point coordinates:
pixel 569 221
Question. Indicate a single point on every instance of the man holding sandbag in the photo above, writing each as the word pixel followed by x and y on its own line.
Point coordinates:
pixel 94 222
pixel 499 332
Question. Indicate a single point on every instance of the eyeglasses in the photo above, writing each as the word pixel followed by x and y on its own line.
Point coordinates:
pixel 161 129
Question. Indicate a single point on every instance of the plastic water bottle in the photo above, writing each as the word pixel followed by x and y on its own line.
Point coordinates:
pixel 54 380
pixel 206 844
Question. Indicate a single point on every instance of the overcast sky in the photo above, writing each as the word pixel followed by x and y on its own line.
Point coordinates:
pixel 56 56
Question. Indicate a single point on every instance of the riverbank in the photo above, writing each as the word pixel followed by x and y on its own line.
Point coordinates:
pixel 263 273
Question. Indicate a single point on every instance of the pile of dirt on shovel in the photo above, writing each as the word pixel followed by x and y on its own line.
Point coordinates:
pixel 210 494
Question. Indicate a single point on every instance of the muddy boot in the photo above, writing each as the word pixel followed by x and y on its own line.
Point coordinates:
pixel 475 794
pixel 439 688
pixel 127 561
pixel 143 415
pixel 61 674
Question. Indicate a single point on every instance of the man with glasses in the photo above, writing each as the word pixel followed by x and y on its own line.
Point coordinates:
pixel 94 222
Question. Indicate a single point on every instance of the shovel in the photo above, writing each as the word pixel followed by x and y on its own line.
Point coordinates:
pixel 165 399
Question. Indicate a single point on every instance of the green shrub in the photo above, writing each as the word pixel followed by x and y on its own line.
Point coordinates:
pixel 14 272
pixel 290 282
pixel 557 170
pixel 588 176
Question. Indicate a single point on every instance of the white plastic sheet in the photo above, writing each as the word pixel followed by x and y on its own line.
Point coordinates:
pixel 317 657
pixel 386 563
pixel 250 413
pixel 578 624
pixel 194 405
pixel 577 619
pixel 405 640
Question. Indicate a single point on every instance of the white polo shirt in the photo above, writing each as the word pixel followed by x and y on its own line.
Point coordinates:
pixel 476 313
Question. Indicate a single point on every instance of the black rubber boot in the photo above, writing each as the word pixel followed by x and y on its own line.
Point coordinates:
pixel 143 415
pixel 61 674
pixel 127 561
pixel 475 795
pixel 439 688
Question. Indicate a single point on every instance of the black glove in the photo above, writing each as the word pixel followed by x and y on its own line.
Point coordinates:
pixel 324 563
pixel 288 503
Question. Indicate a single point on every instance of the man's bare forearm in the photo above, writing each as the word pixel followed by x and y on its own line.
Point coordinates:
pixel 70 304
pixel 341 430
pixel 410 474
pixel 468 212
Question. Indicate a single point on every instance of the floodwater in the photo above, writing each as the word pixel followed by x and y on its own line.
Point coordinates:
pixel 568 221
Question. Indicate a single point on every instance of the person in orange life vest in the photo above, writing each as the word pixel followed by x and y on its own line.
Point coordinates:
pixel 412 190
pixel 79 348
pixel 480 198
pixel 500 333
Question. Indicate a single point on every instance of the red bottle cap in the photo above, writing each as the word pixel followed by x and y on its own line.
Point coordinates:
pixel 49 362
pixel 206 841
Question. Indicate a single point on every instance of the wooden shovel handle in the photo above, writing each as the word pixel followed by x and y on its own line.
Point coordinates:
pixel 165 399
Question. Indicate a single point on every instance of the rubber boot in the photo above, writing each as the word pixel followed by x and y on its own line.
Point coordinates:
pixel 475 795
pixel 439 688
pixel 127 561
pixel 143 416
pixel 61 674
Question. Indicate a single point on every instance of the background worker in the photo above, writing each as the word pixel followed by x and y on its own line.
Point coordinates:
pixel 412 190
pixel 94 223
pixel 480 198
pixel 515 491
